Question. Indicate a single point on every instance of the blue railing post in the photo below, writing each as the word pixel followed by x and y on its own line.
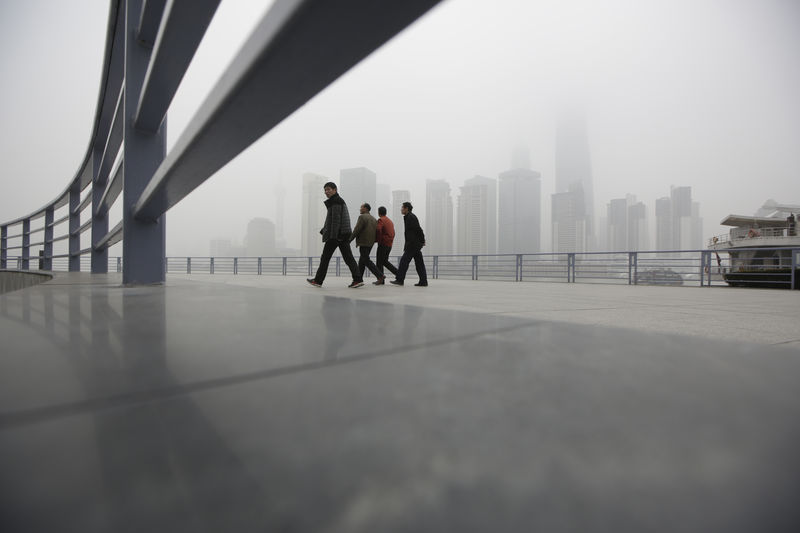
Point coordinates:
pixel 285 266
pixel 74 229
pixel 3 246
pixel 235 265
pixel 519 267
pixel 633 261
pixel 571 268
pixel 49 216
pixel 99 219
pixel 211 266
pixel 794 268
pixel 338 266
pixel 705 266
pixel 26 244
pixel 310 265
pixel 435 267
pixel 143 241
pixel 188 265
pixel 474 267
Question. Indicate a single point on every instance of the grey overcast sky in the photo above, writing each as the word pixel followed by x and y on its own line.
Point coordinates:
pixel 676 92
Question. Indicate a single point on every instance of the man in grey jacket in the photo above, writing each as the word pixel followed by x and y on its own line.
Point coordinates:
pixel 336 234
pixel 364 235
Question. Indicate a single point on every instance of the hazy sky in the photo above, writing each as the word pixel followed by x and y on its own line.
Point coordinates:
pixel 676 92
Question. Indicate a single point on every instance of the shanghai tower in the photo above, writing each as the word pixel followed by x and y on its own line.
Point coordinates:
pixel 573 164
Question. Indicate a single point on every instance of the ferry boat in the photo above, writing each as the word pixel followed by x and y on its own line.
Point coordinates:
pixel 760 247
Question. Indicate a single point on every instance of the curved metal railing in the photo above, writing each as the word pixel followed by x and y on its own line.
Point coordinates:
pixel 286 61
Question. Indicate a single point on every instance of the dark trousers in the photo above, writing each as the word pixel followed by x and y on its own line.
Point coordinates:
pixel 365 262
pixel 383 259
pixel 327 253
pixel 405 262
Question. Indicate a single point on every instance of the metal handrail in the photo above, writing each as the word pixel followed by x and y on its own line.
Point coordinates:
pixel 149 45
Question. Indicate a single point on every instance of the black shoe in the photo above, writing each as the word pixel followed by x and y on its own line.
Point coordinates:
pixel 395 282
pixel 356 284
pixel 420 284
pixel 313 282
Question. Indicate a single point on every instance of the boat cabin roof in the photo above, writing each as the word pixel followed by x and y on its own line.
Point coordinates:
pixel 749 221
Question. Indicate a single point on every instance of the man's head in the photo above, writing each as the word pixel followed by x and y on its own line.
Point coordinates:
pixel 406 208
pixel 330 189
pixel 365 207
pixel 381 211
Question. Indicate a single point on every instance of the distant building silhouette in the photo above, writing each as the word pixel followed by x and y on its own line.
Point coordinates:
pixel 678 222
pixel 438 217
pixel 357 186
pixel 259 240
pixel 638 228
pixel 313 213
pixel 398 197
pixel 664 223
pixel 626 228
pixel 520 210
pixel 225 248
pixel 477 216
pixel 569 220
pixel 573 166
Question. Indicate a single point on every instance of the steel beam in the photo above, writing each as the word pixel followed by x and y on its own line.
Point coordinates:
pixel 149 21
pixel 183 26
pixel 299 48
pixel 144 241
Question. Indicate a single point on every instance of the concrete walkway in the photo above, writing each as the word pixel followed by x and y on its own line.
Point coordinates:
pixel 763 316
pixel 245 403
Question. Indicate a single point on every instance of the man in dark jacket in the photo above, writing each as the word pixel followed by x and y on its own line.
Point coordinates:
pixel 336 234
pixel 415 240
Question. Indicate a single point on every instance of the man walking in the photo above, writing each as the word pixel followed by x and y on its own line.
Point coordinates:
pixel 336 234
pixel 415 240
pixel 385 238
pixel 364 235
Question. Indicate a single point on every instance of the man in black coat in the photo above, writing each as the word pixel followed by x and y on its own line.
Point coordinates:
pixel 336 234
pixel 415 240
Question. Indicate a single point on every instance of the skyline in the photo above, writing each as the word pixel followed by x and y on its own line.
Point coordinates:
pixel 674 93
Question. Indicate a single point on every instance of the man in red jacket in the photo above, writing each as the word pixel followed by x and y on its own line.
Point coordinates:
pixel 385 237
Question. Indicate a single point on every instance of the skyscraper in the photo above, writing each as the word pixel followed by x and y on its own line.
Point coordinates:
pixel 438 217
pixel 664 223
pixel 681 203
pixel 398 197
pixel 573 166
pixel 477 216
pixel 638 232
pixel 357 186
pixel 626 225
pixel 617 225
pixel 520 214
pixel 313 213
pixel 569 220
pixel 259 241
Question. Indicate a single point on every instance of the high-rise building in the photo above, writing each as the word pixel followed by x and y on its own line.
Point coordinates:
pixel 313 213
pixel 638 231
pixel 259 241
pixel 477 216
pixel 681 203
pixel 519 213
pixel 398 197
pixel 357 186
pixel 438 217
pixel 697 227
pixel 569 220
pixel 573 164
pixel 664 224
pixel 617 220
